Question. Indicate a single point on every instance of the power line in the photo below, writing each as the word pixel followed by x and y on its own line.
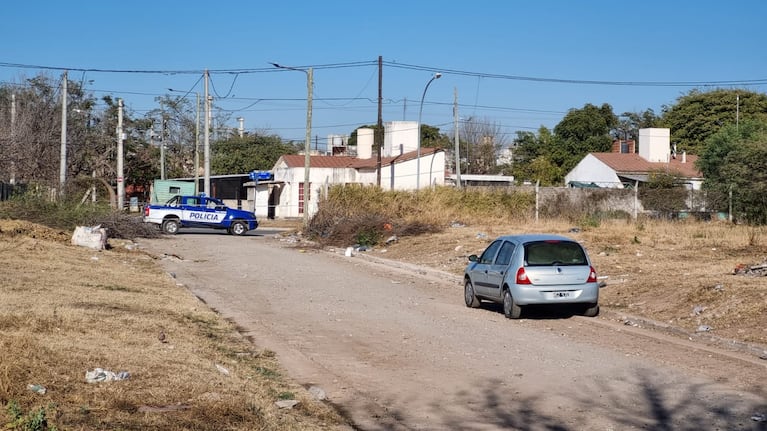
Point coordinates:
pixel 579 81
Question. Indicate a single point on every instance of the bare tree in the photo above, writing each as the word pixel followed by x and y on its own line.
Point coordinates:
pixel 482 138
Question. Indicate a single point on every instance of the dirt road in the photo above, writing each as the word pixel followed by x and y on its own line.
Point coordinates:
pixel 396 349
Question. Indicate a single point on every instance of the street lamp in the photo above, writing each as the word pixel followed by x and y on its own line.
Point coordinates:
pixel 420 113
pixel 307 144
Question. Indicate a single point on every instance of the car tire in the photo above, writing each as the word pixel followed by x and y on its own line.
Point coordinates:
pixel 170 226
pixel 592 310
pixel 510 308
pixel 238 228
pixel 469 296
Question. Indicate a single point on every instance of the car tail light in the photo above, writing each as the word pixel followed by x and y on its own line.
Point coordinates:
pixel 592 275
pixel 146 211
pixel 522 276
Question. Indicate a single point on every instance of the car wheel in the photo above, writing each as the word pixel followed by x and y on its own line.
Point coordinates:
pixel 469 296
pixel 510 308
pixel 170 226
pixel 238 228
pixel 592 310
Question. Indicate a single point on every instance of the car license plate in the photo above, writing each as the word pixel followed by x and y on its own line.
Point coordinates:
pixel 561 294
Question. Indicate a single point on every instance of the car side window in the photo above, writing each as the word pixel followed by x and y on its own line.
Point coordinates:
pixel 504 256
pixel 489 254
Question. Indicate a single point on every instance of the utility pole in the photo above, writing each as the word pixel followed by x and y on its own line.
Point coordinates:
pixel 162 146
pixel 120 137
pixel 307 144
pixel 457 151
pixel 197 149
pixel 13 114
pixel 13 136
pixel 308 138
pixel 379 126
pixel 63 161
pixel 206 150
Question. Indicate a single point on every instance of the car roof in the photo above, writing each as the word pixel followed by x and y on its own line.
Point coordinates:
pixel 530 237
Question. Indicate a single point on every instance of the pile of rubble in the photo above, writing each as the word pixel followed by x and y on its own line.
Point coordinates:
pixel 757 270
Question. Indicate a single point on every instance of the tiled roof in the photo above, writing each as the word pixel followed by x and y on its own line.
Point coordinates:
pixel 297 160
pixel 631 163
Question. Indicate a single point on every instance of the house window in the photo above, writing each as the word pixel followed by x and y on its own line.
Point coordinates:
pixel 301 196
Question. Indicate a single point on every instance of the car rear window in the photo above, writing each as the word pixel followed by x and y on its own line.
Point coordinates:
pixel 548 253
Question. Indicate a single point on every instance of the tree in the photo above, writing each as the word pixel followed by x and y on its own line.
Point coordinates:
pixel 242 155
pixel 580 132
pixel 735 160
pixel 698 115
pixel 630 122
pixel 482 139
pixel 31 142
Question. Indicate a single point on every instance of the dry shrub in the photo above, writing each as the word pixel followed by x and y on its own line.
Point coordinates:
pixel 67 215
pixel 365 215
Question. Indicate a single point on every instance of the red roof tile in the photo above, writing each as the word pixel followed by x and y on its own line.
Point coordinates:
pixel 631 163
pixel 297 160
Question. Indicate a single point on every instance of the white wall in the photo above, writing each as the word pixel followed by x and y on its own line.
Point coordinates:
pixel 365 141
pixel 398 133
pixel 591 169
pixel 655 144
pixel 432 173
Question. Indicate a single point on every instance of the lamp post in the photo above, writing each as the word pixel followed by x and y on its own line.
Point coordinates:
pixel 308 141
pixel 420 113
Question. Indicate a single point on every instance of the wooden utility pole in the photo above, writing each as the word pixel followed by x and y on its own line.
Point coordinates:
pixel 379 135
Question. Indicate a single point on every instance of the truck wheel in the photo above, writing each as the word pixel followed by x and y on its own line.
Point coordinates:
pixel 238 228
pixel 170 226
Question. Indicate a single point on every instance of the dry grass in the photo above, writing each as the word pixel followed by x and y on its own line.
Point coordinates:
pixel 655 269
pixel 66 310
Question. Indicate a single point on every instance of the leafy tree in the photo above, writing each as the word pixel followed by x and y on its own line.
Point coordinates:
pixel 253 152
pixel 698 115
pixel 539 169
pixel 630 122
pixel 735 160
pixel 432 138
pixel 580 132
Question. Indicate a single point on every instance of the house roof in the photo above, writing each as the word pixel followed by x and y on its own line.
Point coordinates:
pixel 632 163
pixel 297 160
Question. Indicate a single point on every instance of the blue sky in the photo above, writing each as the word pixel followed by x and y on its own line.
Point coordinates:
pixel 520 65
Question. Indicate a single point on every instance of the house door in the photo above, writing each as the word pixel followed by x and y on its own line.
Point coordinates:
pixel 273 201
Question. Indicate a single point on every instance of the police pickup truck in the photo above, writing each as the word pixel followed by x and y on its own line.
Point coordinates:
pixel 199 211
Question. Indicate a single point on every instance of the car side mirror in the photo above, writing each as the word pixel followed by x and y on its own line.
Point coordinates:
pixel 473 258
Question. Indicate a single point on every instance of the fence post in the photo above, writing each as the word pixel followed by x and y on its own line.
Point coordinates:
pixel 537 198
pixel 636 199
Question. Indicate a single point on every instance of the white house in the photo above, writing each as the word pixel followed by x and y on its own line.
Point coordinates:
pixel 618 169
pixel 401 169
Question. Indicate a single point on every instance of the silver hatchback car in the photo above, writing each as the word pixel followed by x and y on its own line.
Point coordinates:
pixel 519 270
